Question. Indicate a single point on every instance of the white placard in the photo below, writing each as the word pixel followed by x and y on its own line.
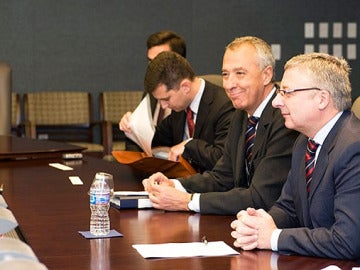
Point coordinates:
pixel 61 166
pixel 75 180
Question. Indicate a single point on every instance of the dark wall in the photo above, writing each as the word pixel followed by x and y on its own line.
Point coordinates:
pixel 97 45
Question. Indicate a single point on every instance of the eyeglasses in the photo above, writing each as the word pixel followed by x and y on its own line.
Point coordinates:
pixel 284 92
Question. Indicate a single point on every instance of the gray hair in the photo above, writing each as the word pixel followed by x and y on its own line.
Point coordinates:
pixel 329 72
pixel 263 49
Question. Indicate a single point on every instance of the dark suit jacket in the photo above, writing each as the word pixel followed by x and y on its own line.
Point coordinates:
pixel 325 224
pixel 212 123
pixel 225 189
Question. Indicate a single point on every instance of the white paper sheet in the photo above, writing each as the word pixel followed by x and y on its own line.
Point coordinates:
pixel 177 250
pixel 142 126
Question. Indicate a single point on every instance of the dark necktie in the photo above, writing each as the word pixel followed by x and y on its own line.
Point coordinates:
pixel 249 141
pixel 190 121
pixel 310 161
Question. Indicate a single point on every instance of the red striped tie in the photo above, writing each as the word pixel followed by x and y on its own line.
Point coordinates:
pixel 310 161
pixel 190 121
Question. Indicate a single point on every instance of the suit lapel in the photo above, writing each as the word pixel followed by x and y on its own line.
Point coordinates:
pixel 323 157
pixel 265 120
pixel 204 107
pixel 239 152
pixel 304 198
pixel 179 120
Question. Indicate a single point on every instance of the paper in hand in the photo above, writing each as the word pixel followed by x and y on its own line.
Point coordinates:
pixel 142 126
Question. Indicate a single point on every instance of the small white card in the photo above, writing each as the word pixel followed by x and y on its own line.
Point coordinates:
pixel 75 180
pixel 61 166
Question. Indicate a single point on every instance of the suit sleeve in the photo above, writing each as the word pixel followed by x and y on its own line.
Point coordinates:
pixel 225 196
pixel 334 232
pixel 163 135
pixel 270 174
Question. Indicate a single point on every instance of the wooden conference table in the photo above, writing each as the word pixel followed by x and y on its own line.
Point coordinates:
pixel 50 212
pixel 18 148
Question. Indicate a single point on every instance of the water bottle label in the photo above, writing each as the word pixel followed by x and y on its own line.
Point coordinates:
pixel 99 198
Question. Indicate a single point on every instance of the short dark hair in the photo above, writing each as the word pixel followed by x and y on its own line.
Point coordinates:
pixel 175 41
pixel 168 68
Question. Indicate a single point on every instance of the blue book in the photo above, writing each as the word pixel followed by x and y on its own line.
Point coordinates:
pixel 130 201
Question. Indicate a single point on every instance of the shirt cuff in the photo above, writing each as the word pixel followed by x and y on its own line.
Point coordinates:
pixel 178 185
pixel 275 239
pixel 194 204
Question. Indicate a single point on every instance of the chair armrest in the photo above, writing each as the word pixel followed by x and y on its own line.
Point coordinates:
pixel 30 130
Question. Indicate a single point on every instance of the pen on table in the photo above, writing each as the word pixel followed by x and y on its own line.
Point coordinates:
pixel 204 240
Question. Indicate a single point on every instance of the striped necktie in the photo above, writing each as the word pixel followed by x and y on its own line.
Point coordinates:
pixel 310 161
pixel 249 142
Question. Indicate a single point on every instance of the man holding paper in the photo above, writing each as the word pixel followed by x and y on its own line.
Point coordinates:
pixel 201 111
pixel 156 43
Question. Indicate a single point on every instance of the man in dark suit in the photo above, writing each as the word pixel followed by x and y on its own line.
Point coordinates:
pixel 156 43
pixel 241 178
pixel 317 212
pixel 171 80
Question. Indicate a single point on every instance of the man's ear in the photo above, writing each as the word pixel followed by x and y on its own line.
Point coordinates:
pixel 324 99
pixel 268 74
pixel 185 85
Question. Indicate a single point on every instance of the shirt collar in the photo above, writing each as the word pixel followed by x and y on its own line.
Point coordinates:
pixel 194 105
pixel 321 135
pixel 263 104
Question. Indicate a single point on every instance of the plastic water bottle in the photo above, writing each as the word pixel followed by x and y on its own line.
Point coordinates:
pixel 100 192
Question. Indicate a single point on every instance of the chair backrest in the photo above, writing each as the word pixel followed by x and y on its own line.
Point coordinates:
pixel 5 98
pixel 58 108
pixel 356 107
pixel 114 104
pixel 58 115
pixel 213 78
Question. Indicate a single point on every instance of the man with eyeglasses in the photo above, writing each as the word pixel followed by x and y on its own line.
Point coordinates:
pixel 258 148
pixel 317 213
